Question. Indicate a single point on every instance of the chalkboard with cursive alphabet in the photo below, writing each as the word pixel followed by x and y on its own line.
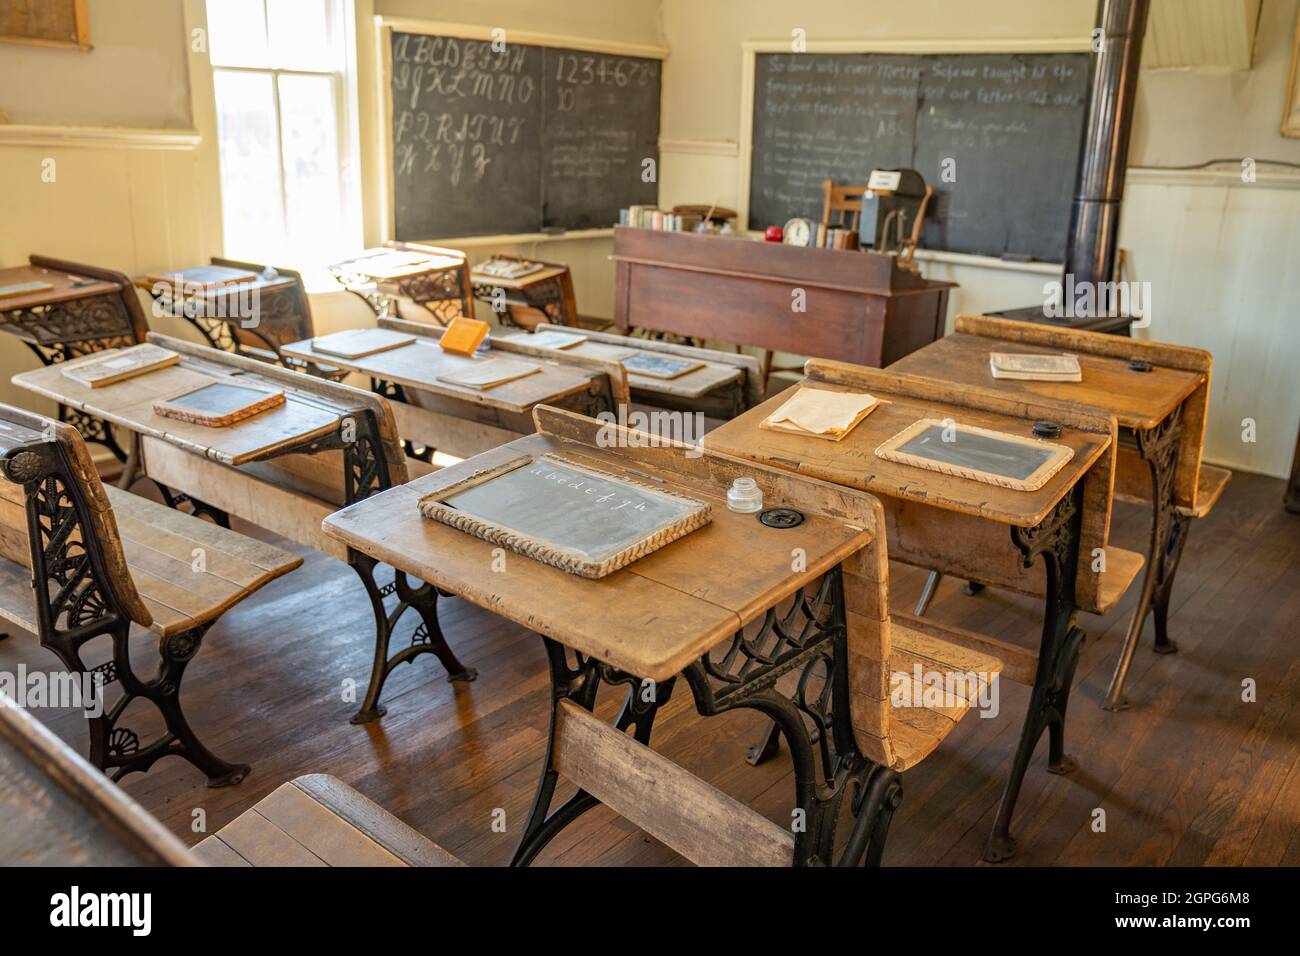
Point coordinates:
pixel 495 137
pixel 996 134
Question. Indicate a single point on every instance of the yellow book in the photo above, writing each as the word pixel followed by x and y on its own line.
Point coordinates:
pixel 821 413
pixel 463 336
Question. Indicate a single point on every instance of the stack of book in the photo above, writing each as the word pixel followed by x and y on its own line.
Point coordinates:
pixel 650 217
pixel 836 238
pixel 1025 367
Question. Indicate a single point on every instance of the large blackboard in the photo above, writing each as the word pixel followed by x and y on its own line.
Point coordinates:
pixel 519 139
pixel 1010 124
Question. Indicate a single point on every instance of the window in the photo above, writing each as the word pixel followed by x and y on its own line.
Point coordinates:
pixel 288 193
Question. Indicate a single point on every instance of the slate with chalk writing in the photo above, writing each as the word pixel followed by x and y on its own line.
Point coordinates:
pixel 579 519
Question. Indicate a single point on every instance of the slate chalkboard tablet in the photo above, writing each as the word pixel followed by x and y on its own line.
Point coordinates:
pixel 219 404
pixel 659 366
pixel 996 134
pixel 512 137
pixel 964 451
pixel 578 519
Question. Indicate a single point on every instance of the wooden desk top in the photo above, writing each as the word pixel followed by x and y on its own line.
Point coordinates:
pixel 383 263
pixel 129 403
pixel 261 283
pixel 65 287
pixel 523 282
pixel 652 617
pixel 852 461
pixel 1180 376
pixel 1136 399
pixel 693 384
pixel 419 364
pixel 61 811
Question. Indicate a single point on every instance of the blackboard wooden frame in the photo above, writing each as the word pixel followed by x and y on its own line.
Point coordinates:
pixel 750 50
pixel 696 515
pixel 384 29
pixel 1058 455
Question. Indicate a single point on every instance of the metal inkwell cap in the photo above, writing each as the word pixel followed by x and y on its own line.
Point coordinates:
pixel 781 518
pixel 1047 429
pixel 744 496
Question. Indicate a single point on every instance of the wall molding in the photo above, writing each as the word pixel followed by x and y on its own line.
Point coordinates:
pixel 728 148
pixel 1225 174
pixel 99 137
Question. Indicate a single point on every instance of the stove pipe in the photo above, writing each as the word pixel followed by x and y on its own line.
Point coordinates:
pixel 1091 247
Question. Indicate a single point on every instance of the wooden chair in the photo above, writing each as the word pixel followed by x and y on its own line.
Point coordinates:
pixel 317 820
pixel 842 205
pixel 60 812
pixel 79 562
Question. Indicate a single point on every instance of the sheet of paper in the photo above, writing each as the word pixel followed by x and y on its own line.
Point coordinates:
pixel 821 412
pixel 489 373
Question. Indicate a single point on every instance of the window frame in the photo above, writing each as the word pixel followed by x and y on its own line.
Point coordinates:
pixel 341 25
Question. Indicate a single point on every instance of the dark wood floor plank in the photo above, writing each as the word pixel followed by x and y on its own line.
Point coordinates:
pixel 1189 774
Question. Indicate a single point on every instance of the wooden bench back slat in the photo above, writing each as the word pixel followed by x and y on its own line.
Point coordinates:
pixel 700 822
pixel 99 511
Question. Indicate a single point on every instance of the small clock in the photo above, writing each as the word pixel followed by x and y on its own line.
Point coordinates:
pixel 798 232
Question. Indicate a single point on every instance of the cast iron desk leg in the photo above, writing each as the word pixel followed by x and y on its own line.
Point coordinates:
pixel 1159 449
pixel 1057 540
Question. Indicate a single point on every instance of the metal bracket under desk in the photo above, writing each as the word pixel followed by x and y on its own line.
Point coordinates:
pixel 463 428
pixel 803 637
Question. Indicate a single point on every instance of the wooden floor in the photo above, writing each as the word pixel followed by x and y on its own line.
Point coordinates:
pixel 1189 775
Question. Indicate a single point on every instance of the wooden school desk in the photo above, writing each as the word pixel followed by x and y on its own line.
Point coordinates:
pixel 860 306
pixel 285 469
pixel 542 296
pixel 248 318
pixel 88 309
pixel 464 421
pixel 729 382
pixel 662 615
pixel 983 532
pixel 399 274
pixel 60 811
pixel 1161 417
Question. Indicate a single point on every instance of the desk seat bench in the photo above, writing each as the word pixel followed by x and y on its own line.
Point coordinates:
pixel 108 559
pixel 317 820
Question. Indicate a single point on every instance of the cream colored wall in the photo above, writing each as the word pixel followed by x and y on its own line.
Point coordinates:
pixel 122 193
pixel 1219 252
pixel 135 76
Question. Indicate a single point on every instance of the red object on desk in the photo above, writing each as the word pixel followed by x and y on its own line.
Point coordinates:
pixel 773 234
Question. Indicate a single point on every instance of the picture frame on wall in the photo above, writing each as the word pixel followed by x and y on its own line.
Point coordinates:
pixel 52 23
pixel 1291 102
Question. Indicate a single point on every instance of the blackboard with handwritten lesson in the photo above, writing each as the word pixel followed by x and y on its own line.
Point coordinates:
pixel 517 139
pixel 997 135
